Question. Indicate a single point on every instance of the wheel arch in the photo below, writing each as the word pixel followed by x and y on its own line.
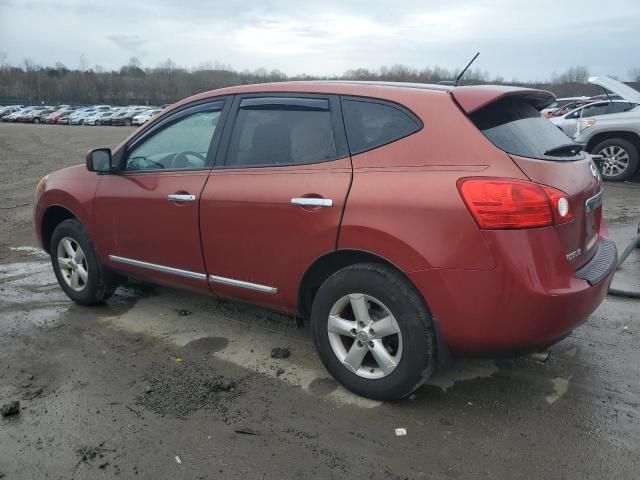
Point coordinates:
pixel 629 136
pixel 53 216
pixel 326 265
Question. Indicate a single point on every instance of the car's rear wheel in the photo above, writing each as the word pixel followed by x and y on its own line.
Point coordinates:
pixel 36 120
pixel 77 266
pixel 620 159
pixel 373 331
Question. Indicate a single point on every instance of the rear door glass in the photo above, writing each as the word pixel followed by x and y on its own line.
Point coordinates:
pixel 280 132
pixel 516 127
pixel 370 124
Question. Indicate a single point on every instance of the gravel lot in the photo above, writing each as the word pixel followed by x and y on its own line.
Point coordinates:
pixel 160 383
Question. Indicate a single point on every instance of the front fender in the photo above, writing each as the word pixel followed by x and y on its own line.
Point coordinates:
pixel 71 189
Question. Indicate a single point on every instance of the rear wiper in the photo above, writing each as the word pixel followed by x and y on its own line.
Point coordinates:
pixel 569 149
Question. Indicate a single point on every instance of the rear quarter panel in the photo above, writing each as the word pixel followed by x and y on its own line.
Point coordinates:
pixel 404 203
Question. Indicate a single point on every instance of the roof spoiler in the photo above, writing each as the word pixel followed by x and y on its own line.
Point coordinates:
pixel 473 98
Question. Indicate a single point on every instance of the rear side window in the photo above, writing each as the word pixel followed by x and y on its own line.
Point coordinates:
pixel 622 106
pixel 370 124
pixel 283 132
pixel 516 127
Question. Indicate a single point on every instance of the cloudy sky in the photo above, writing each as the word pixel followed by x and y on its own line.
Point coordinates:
pixel 523 39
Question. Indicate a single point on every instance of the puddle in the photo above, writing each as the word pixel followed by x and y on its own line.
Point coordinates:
pixel 44 317
pixel 463 370
pixel 322 386
pixel 30 296
pixel 31 251
pixel 207 345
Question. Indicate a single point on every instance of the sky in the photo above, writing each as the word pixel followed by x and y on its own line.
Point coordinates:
pixel 524 40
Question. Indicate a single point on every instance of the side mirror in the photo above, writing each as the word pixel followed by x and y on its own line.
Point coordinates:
pixel 99 160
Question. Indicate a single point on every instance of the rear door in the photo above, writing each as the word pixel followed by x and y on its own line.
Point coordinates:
pixel 275 198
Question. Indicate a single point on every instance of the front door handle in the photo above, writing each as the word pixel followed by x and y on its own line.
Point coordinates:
pixel 181 197
pixel 312 202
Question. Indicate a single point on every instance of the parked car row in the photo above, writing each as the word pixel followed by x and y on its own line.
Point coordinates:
pixel 607 126
pixel 79 115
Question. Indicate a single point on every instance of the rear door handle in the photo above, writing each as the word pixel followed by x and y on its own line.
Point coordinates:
pixel 312 202
pixel 181 197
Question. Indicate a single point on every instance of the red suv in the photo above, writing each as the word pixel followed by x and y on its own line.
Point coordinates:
pixel 406 221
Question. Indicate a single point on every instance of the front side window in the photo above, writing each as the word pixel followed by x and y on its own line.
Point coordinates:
pixel 281 133
pixel 370 124
pixel 182 145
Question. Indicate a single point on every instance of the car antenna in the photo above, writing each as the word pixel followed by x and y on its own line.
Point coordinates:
pixel 456 82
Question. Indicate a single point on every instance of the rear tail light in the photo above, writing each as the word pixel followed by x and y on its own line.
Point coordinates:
pixel 498 203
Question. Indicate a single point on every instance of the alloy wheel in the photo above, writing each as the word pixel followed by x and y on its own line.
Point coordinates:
pixel 616 160
pixel 365 336
pixel 73 264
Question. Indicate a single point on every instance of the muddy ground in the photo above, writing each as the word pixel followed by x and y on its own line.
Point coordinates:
pixel 159 383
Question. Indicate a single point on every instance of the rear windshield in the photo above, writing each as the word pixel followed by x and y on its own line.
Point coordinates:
pixel 516 127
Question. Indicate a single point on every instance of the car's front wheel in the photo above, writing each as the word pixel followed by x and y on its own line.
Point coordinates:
pixel 620 159
pixel 373 332
pixel 77 266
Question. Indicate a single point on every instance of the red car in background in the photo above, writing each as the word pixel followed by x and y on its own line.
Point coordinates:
pixel 57 115
pixel 405 221
pixel 568 107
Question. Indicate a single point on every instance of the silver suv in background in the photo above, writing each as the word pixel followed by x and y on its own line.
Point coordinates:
pixel 568 122
pixel 616 136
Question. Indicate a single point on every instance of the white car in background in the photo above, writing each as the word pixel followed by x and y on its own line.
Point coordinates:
pixel 559 102
pixel 96 117
pixel 614 137
pixel 145 116
pixel 568 122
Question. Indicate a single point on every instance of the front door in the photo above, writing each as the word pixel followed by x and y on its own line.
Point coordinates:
pixel 152 204
pixel 275 197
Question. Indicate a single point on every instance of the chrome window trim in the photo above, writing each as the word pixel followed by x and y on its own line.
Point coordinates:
pixel 594 202
pixel 158 268
pixel 239 283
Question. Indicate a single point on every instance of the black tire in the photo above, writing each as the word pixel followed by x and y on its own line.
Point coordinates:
pixel 100 283
pixel 629 148
pixel 36 120
pixel 127 123
pixel 418 357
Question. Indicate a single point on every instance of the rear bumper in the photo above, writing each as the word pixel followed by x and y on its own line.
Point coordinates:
pixel 532 298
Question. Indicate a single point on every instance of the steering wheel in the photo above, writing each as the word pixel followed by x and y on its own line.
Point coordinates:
pixel 182 160
pixel 143 163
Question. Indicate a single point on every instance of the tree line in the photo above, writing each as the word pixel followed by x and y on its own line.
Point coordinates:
pixel 30 83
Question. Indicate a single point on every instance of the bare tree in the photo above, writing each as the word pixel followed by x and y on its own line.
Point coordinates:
pixel 83 63
pixel 3 60
pixel 168 82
